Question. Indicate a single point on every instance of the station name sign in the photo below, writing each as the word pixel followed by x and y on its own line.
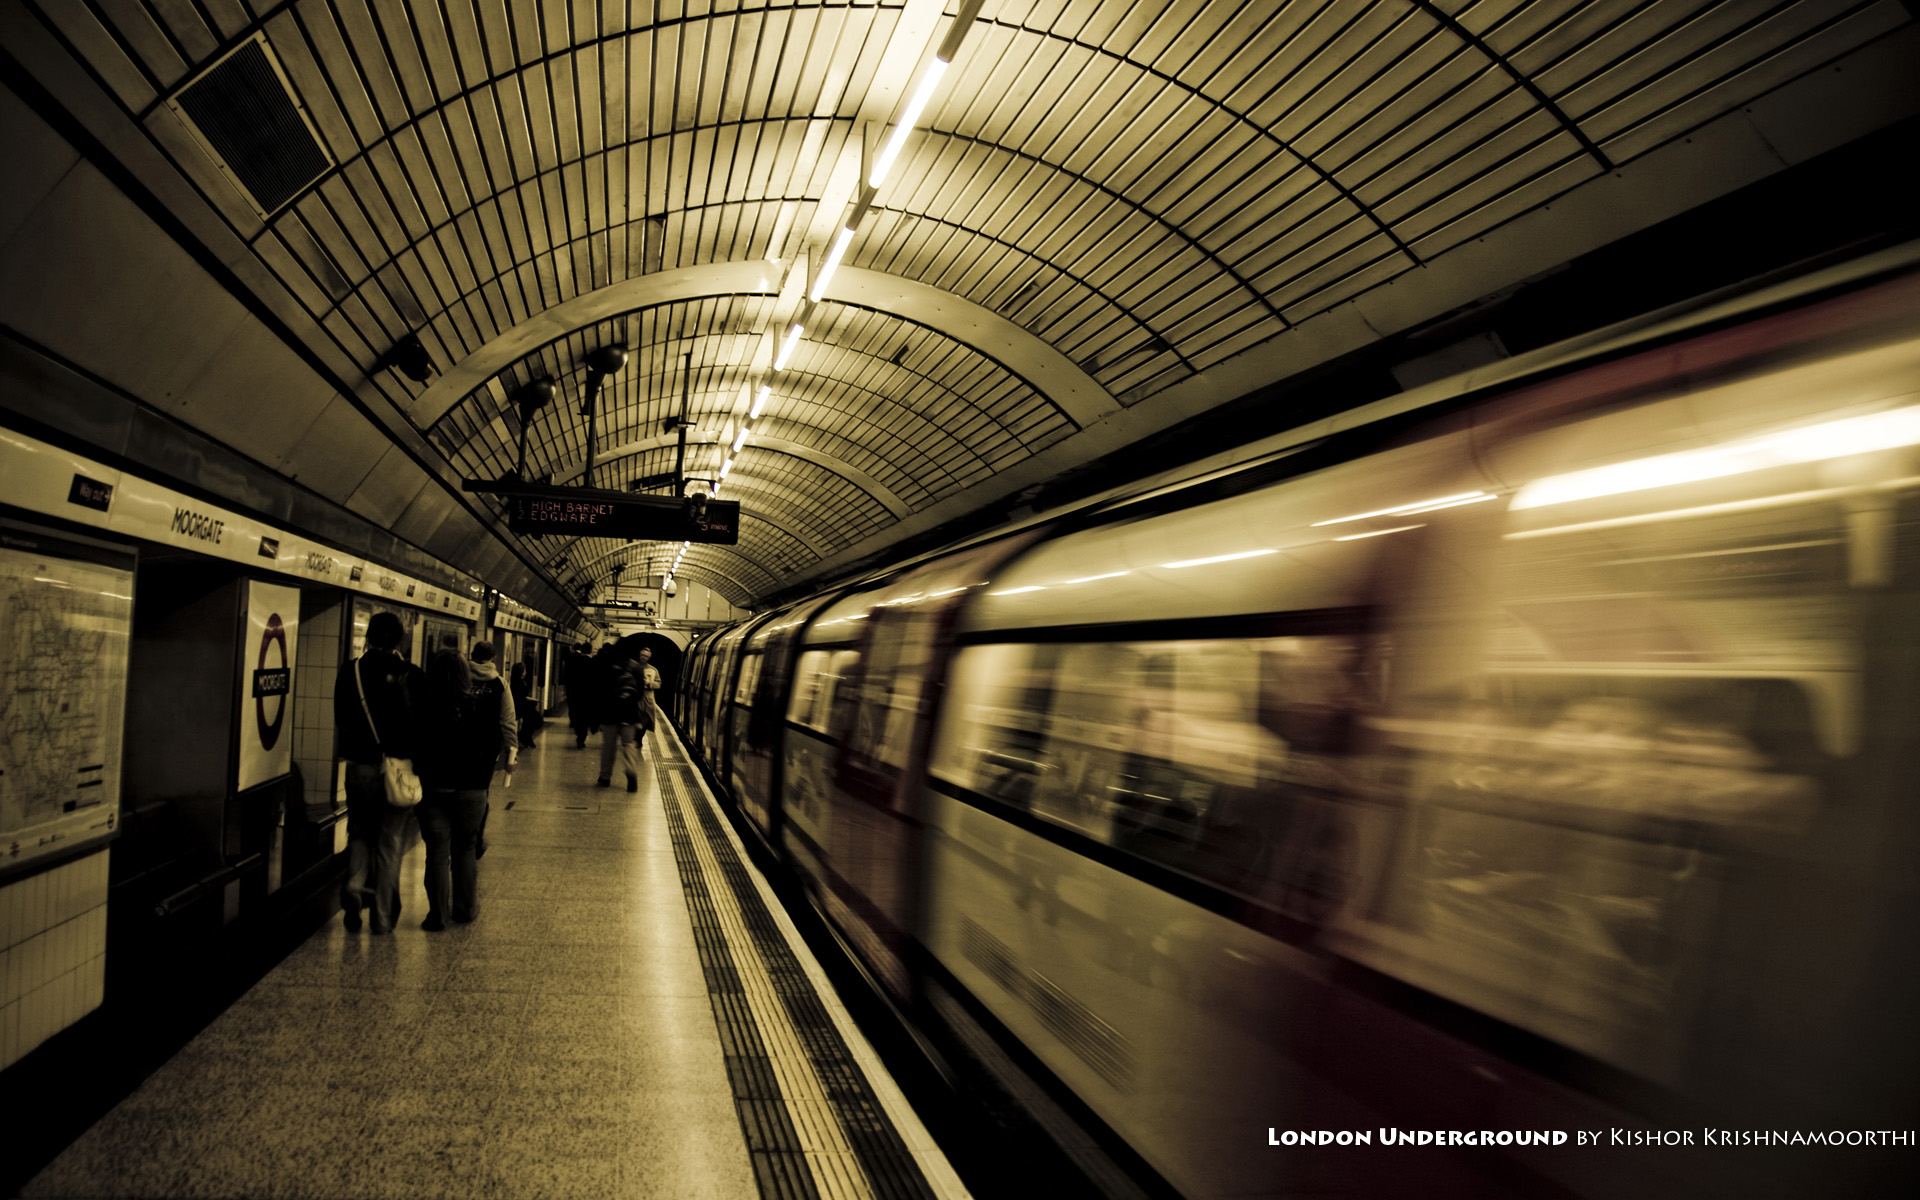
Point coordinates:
pixel 536 509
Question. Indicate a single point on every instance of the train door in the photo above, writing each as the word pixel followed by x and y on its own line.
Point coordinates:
pixel 761 693
pixel 736 704
pixel 726 653
pixel 881 734
pixel 743 775
pixel 829 649
pixel 687 698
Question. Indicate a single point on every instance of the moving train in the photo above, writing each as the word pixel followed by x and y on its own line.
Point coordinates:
pixel 1532 753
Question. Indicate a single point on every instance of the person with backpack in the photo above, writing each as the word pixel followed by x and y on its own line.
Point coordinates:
pixel 373 712
pixel 487 683
pixel 628 716
pixel 460 740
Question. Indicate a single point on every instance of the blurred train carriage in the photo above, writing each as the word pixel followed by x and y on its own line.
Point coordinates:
pixel 1539 755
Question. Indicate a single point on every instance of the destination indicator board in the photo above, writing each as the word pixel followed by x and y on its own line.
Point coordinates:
pixel 533 509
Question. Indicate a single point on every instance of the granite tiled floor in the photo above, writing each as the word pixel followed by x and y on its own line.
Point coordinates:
pixel 562 1045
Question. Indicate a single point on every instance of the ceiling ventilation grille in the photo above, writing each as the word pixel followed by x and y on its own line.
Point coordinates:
pixel 247 118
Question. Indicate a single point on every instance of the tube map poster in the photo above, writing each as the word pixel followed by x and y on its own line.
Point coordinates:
pixel 65 622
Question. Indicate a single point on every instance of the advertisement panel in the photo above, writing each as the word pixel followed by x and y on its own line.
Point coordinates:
pixel 266 683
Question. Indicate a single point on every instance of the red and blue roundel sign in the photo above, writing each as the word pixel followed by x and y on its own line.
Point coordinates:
pixel 272 683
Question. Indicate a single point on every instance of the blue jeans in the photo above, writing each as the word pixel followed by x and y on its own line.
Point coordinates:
pixel 450 825
pixel 374 829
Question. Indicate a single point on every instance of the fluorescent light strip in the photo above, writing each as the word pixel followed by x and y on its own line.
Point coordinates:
pixel 831 265
pixel 1091 578
pixel 1354 537
pixel 908 120
pixel 1814 443
pixel 740 439
pixel 725 467
pixel 1016 591
pixel 1201 562
pixel 1417 506
pixel 786 351
pixel 759 403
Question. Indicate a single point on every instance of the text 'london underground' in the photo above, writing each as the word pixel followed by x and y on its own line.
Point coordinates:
pixel 1597 1137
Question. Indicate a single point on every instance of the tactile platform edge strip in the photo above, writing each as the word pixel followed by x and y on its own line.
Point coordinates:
pixel 890 1170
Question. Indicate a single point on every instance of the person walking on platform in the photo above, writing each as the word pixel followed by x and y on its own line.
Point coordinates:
pixel 629 715
pixel 373 714
pixel 650 679
pixel 576 680
pixel 487 684
pixel 526 710
pixel 461 737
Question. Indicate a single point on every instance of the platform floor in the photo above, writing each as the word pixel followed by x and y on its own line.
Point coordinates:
pixel 623 1019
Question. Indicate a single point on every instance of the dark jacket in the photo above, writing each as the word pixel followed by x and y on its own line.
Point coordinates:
pixel 459 741
pixel 593 687
pixel 391 683
pixel 624 696
pixel 487 681
pixel 629 703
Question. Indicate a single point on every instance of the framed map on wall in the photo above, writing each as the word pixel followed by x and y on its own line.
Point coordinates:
pixel 66 616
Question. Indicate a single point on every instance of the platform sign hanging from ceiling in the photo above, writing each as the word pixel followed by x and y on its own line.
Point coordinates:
pixel 591 512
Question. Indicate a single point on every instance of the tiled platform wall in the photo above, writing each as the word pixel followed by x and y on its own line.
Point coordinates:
pixel 54 964
pixel 313 702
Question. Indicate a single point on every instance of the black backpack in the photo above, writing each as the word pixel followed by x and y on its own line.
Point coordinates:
pixel 476 735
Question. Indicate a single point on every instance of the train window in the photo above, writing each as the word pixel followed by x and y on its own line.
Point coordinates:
pixel 887 698
pixel 816 680
pixel 1213 757
pixel 749 675
pixel 1662 705
pixel 832 705
pixel 807 674
pixel 1566 841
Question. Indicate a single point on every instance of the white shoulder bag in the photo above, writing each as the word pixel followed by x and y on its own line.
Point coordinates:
pixel 403 786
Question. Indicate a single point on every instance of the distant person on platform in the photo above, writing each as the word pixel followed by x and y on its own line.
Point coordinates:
pixel 526 709
pixel 576 680
pixel 373 712
pixel 460 740
pixel 651 677
pixel 629 717
pixel 488 685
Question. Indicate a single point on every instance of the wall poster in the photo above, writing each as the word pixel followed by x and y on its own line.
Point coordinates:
pixel 266 683
pixel 66 618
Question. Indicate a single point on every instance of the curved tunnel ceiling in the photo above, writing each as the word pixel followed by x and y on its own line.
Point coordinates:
pixel 1109 217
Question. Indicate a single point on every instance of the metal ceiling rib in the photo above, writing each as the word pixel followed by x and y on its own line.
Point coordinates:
pixel 1148 189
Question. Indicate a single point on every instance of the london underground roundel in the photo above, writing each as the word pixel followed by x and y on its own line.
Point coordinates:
pixel 271 683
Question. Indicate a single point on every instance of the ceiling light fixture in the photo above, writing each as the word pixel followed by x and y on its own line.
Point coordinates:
pixel 786 351
pixel 908 120
pixel 759 403
pixel 832 264
pixel 740 439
